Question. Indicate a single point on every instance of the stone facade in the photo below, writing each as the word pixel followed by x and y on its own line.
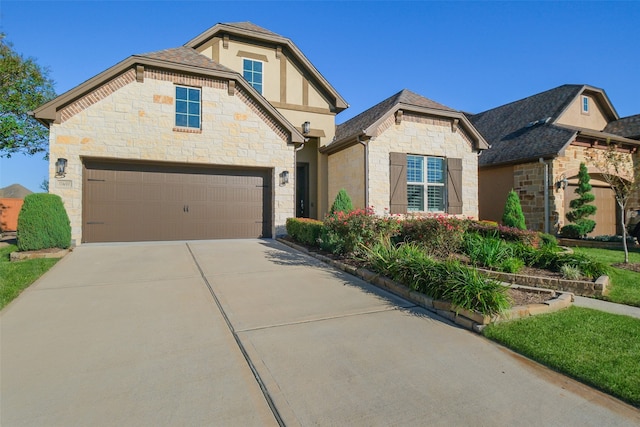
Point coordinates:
pixel 421 135
pixel 346 170
pixel 129 120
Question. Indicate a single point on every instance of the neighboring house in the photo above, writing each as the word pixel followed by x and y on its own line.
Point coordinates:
pixel 542 140
pixel 201 141
pixel 407 154
pixel 11 199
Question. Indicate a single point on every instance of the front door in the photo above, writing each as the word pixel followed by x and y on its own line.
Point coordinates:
pixel 302 190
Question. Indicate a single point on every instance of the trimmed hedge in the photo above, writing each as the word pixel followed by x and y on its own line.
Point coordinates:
pixel 511 234
pixel 304 230
pixel 43 223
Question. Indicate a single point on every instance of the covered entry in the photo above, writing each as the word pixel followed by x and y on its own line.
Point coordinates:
pixel 126 202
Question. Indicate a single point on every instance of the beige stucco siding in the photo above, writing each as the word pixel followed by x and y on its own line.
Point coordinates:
pixel 493 186
pixel 573 115
pixel 422 136
pixel 346 170
pixel 136 122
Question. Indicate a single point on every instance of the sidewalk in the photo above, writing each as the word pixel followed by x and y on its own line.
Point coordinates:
pixel 609 307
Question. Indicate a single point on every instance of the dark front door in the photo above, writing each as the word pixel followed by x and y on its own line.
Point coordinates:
pixel 302 190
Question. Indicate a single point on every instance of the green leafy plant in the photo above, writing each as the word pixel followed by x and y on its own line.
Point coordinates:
pixel 510 234
pixel 513 216
pixel 467 288
pixel 43 223
pixel 581 208
pixel 570 272
pixel 511 265
pixel 304 230
pixel 487 251
pixel 342 203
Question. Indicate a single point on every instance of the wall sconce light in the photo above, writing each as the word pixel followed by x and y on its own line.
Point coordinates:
pixel 306 128
pixel 284 178
pixel 562 183
pixel 61 166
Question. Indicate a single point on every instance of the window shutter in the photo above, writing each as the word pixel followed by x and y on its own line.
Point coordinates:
pixel 454 186
pixel 398 180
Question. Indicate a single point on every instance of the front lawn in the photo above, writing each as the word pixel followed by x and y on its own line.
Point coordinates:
pixel 626 284
pixel 17 276
pixel 597 348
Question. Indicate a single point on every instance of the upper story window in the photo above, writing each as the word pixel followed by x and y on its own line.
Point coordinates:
pixel 425 184
pixel 585 104
pixel 252 72
pixel 188 107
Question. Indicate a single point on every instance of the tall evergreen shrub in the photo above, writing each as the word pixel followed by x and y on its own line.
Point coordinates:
pixel 342 203
pixel 513 216
pixel 43 223
pixel 582 208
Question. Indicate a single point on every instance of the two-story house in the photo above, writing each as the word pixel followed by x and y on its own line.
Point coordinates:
pixel 233 133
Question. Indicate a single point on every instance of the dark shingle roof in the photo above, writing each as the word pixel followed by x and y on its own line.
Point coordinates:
pixel 365 119
pixel 629 127
pixel 250 26
pixel 510 131
pixel 186 56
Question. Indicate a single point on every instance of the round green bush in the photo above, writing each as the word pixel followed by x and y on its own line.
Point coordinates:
pixel 513 216
pixel 43 223
pixel 342 203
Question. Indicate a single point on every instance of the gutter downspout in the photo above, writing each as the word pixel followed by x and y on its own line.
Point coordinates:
pixel 366 169
pixel 546 194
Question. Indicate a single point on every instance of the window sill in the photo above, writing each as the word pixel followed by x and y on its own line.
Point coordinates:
pixel 187 130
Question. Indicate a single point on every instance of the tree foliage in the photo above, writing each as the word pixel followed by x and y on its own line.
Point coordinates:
pixel 513 216
pixel 342 203
pixel 581 207
pixel 621 170
pixel 24 86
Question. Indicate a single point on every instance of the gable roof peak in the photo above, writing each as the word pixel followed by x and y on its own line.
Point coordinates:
pixel 249 26
pixel 185 56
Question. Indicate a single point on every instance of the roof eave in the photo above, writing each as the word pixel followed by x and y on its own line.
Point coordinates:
pixel 47 113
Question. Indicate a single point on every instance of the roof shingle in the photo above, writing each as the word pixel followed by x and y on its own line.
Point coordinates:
pixel 629 127
pixel 186 56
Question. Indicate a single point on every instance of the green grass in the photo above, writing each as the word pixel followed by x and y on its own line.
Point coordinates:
pixel 597 348
pixel 625 287
pixel 17 276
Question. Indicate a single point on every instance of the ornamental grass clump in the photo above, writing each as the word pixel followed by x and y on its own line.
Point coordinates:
pixel 464 287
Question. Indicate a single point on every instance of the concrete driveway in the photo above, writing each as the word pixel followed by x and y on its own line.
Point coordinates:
pixel 250 332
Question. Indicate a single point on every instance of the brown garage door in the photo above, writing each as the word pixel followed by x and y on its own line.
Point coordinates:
pixel 605 216
pixel 144 202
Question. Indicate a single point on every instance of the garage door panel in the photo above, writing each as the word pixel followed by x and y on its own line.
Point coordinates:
pixel 141 202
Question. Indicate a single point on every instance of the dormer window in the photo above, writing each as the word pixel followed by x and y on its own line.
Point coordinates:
pixel 252 72
pixel 585 105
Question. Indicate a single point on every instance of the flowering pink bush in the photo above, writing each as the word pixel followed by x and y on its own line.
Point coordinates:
pixel 345 233
pixel 441 234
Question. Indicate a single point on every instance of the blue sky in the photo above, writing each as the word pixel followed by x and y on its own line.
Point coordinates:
pixel 470 56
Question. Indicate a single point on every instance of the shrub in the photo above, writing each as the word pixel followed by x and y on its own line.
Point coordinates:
pixel 548 240
pixel 572 231
pixel 304 230
pixel 513 216
pixel 347 233
pixel 342 203
pixel 510 234
pixel 581 207
pixel 43 223
pixel 442 235
pixel 589 267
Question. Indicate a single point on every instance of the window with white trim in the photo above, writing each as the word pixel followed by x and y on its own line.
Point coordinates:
pixel 252 72
pixel 188 107
pixel 425 184
pixel 585 104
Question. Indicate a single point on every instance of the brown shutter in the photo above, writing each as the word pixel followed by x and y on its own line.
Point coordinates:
pixel 454 186
pixel 398 179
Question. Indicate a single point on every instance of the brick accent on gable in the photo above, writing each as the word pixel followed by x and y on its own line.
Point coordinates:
pixel 98 94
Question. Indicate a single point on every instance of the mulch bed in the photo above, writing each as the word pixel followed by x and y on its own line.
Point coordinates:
pixel 630 266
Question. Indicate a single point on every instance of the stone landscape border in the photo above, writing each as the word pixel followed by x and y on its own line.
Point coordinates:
pixel 473 321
